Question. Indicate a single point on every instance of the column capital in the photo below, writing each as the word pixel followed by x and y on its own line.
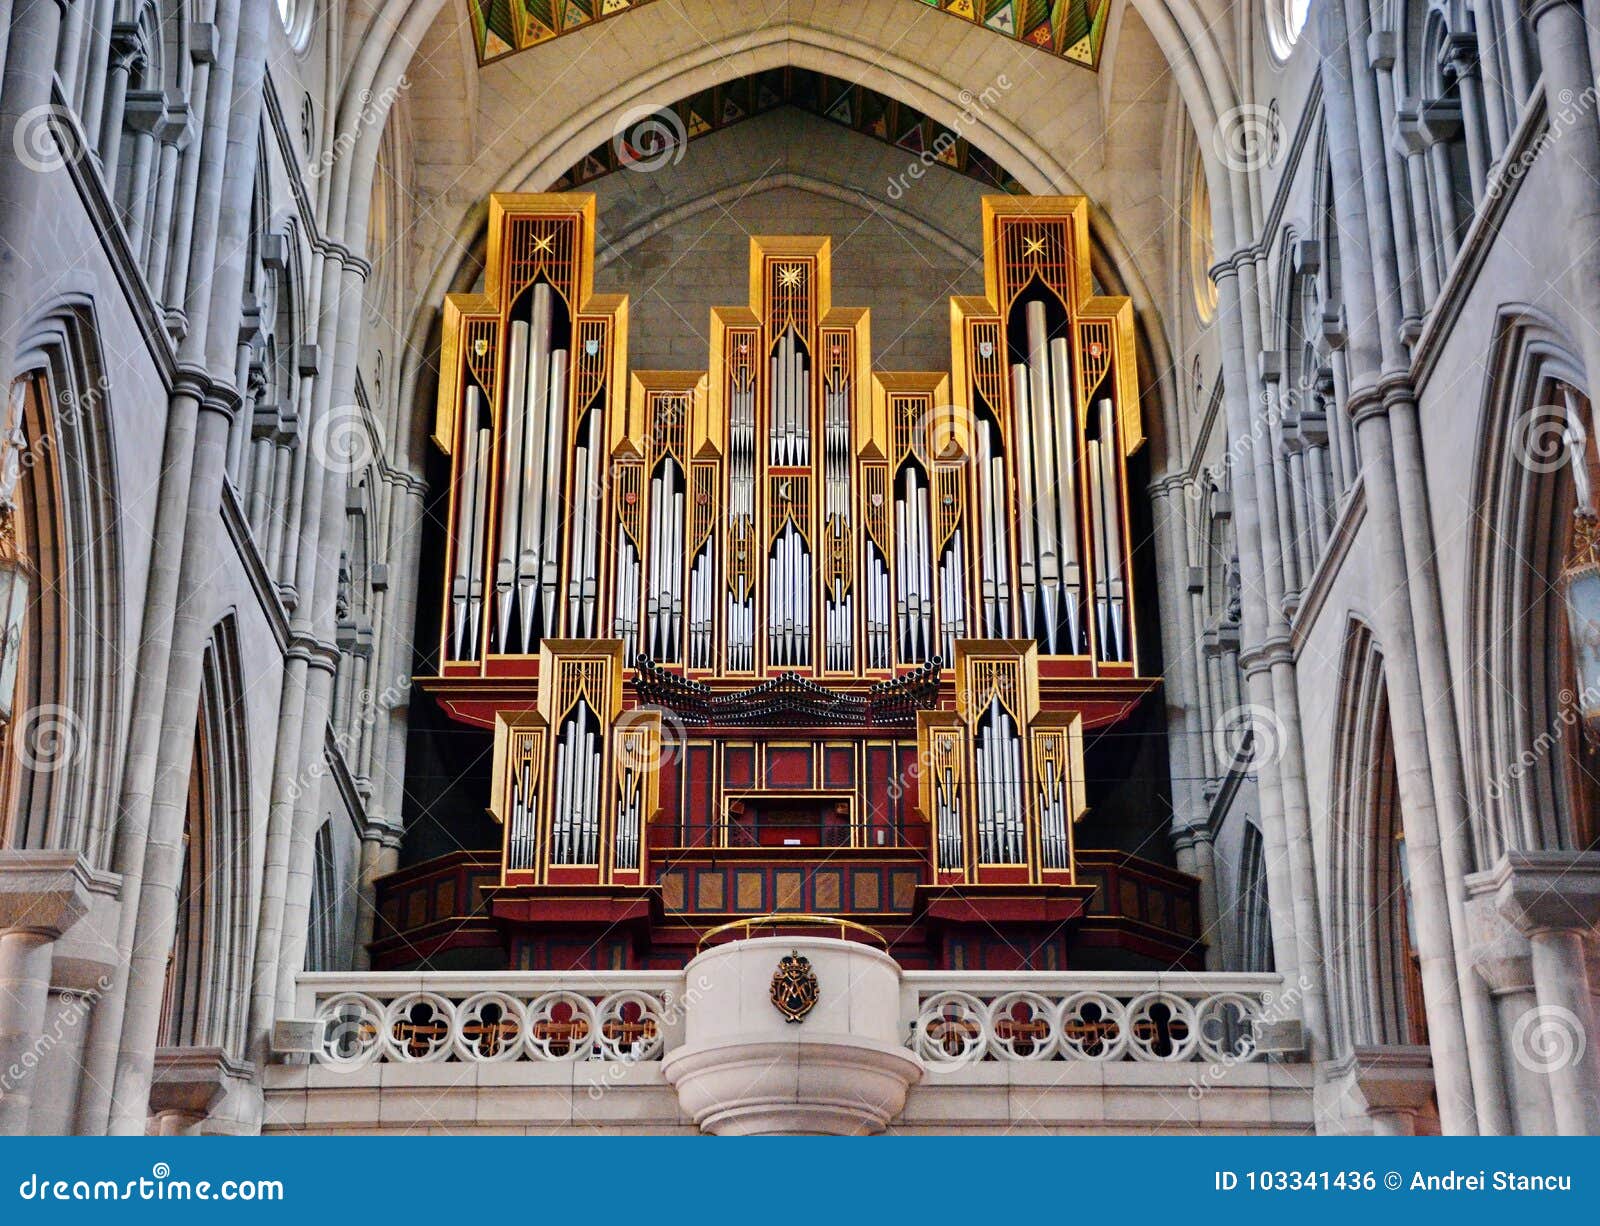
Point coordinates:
pixel 1548 891
pixel 1499 954
pixel 1388 1080
pixel 1533 10
pixel 43 891
pixel 1364 402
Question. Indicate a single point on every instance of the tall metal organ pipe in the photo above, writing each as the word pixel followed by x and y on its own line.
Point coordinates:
pixel 466 588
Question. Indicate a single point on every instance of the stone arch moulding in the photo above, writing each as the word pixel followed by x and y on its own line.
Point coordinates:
pixel 214 937
pixel 75 809
pixel 1515 541
pixel 1363 819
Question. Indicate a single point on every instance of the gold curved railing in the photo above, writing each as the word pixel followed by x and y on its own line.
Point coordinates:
pixel 779 920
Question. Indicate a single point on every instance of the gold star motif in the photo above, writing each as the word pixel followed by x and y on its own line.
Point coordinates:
pixel 1033 246
pixel 544 243
pixel 789 276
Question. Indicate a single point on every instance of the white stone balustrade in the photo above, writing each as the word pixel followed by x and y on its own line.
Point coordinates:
pixel 492 1018
pixel 950 1018
pixel 963 1017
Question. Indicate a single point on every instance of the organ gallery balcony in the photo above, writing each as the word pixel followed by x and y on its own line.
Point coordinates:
pixel 639 1049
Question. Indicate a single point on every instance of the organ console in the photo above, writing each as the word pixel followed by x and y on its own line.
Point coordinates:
pixel 842 629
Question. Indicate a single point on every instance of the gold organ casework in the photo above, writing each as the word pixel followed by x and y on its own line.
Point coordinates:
pixel 938 563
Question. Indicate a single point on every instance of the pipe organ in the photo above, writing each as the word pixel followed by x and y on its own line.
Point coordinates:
pixel 789 602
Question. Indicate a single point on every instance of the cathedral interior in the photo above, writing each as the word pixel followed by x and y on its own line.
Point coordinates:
pixel 1016 566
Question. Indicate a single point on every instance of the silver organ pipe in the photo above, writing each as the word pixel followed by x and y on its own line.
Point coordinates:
pixel 948 798
pixel 466 588
pixel 923 530
pixel 524 802
pixel 555 439
pixel 575 837
pixel 998 753
pixel 627 595
pixel 1107 511
pixel 674 566
pixel 790 441
pixel 664 603
pixel 996 589
pixel 1066 434
pixel 629 805
pixel 877 610
pixel 581 585
pixel 511 491
pixel 528 545
pixel 1026 502
pixel 1052 818
pixel 837 624
pixel 953 587
pixel 999 508
pixel 534 478
pixel 1046 425
pixel 741 515
pixel 701 580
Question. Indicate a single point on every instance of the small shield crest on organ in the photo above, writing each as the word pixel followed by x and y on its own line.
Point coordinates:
pixel 794 987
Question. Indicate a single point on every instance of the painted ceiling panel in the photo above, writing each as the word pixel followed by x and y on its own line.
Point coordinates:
pixel 1071 29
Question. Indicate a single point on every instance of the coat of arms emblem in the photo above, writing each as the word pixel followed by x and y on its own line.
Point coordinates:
pixel 794 987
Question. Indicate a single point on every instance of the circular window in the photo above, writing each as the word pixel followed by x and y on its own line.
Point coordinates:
pixel 1202 245
pixel 296 18
pixel 1286 21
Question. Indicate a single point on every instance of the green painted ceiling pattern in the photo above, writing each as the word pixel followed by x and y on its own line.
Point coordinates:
pixel 1072 29
pixel 656 140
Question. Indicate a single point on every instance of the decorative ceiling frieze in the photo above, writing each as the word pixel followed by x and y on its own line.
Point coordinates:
pixel 657 139
pixel 1071 29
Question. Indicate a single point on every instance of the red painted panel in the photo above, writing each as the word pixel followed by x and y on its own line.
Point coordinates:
pixel 839 766
pixel 697 784
pixel 789 766
pixel 880 773
pixel 739 766
pixel 909 768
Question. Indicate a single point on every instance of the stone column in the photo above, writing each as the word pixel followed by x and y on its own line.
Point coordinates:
pixel 1412 142
pixel 1380 56
pixel 1194 845
pixel 1440 123
pixel 24 93
pixel 160 739
pixel 380 856
pixel 94 73
pixel 157 902
pixel 1258 592
pixel 42 894
pixel 1518 69
pixel 1462 53
pixel 1575 160
pixel 126 52
pixel 1553 898
pixel 1503 960
pixel 173 133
